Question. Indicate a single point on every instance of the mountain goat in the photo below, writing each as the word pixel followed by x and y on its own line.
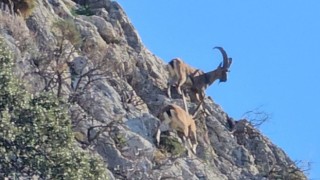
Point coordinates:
pixel 176 119
pixel 194 79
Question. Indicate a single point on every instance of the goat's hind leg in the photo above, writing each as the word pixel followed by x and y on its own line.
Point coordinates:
pixel 169 91
pixel 185 103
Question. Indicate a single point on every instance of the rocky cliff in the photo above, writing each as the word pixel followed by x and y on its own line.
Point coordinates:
pixel 88 54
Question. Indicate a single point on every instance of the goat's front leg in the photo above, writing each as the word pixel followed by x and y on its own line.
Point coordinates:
pixel 193 140
pixel 197 109
pixel 171 82
pixel 188 145
pixel 163 126
pixel 169 91
pixel 200 98
pixel 158 136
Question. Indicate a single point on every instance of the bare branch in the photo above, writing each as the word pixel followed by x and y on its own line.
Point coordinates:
pixel 256 116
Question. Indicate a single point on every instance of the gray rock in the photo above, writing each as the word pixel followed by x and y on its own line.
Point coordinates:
pixel 127 95
pixel 104 28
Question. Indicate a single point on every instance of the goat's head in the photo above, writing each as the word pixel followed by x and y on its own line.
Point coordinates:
pixel 224 66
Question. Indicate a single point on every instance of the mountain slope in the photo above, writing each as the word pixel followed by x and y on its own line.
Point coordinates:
pixel 89 55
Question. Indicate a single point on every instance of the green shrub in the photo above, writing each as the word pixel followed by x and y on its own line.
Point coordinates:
pixel 172 145
pixel 82 10
pixel 35 134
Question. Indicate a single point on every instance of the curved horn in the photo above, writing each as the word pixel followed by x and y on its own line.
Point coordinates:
pixel 224 56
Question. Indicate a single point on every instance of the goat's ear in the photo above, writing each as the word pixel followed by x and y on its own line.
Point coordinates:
pixel 220 65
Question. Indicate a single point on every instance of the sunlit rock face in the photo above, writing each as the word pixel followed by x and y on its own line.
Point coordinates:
pixel 116 89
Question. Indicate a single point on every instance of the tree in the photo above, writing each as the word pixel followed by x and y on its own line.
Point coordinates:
pixel 35 133
pixel 58 64
pixel 52 62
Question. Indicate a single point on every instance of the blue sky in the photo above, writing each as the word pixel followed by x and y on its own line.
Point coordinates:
pixel 275 48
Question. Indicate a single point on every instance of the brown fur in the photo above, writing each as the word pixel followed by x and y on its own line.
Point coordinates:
pixel 180 73
pixel 180 121
pixel 196 80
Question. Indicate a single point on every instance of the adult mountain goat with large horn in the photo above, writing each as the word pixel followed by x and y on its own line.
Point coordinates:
pixel 194 79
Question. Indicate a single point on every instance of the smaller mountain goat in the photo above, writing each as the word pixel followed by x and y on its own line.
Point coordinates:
pixel 176 119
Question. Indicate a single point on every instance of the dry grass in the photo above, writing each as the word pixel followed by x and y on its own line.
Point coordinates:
pixel 14 25
pixel 23 7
